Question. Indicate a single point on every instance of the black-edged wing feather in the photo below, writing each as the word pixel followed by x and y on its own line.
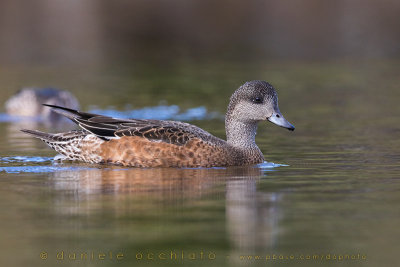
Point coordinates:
pixel 71 113
pixel 103 130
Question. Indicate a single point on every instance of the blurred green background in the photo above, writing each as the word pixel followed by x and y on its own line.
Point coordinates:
pixel 103 32
pixel 199 48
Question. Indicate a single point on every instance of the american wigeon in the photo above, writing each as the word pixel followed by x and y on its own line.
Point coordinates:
pixel 157 143
pixel 28 102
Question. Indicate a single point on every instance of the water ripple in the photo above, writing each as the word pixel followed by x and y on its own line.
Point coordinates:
pixel 25 168
pixel 24 159
pixel 269 166
pixel 39 169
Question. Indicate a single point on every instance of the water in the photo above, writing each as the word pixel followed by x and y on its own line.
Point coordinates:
pixel 329 189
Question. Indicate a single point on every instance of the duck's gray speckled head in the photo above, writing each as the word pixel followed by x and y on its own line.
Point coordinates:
pixel 256 101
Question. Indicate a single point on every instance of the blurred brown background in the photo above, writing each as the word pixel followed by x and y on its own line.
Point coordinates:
pixel 103 31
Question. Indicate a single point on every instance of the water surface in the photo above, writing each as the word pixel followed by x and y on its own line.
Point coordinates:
pixel 331 188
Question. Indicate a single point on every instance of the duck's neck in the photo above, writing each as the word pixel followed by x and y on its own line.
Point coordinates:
pixel 241 134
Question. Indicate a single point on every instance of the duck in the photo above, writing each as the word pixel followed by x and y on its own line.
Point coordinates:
pixel 148 143
pixel 27 102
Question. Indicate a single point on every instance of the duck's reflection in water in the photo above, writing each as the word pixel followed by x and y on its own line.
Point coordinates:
pixel 154 182
pixel 251 216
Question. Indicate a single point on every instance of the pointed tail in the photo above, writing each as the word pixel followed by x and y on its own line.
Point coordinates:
pixel 38 134
pixel 73 145
pixel 56 138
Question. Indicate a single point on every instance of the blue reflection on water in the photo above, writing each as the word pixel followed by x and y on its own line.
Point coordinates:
pixel 25 159
pixel 269 166
pixel 161 112
pixel 38 169
pixel 24 168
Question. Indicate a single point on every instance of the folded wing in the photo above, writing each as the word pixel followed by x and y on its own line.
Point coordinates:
pixel 172 132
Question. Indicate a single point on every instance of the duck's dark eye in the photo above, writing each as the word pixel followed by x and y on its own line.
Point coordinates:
pixel 257 100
